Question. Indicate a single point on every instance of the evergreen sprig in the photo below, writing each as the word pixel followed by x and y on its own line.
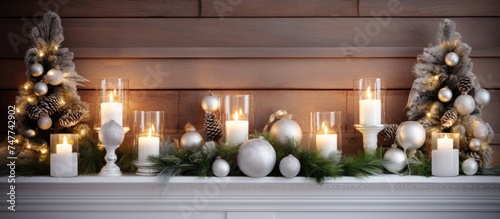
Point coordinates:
pixel 364 164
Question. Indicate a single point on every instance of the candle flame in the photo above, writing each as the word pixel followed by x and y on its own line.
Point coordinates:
pixel 150 131
pixel 235 116
pixel 65 140
pixel 325 129
pixel 369 93
pixel 110 97
pixel 445 136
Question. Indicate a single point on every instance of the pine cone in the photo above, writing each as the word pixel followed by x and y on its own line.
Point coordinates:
pixel 71 118
pixel 465 85
pixel 50 104
pixel 389 132
pixel 449 118
pixel 34 112
pixel 213 127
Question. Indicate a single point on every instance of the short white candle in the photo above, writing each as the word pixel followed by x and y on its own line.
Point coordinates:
pixel 148 145
pixel 370 110
pixel 326 143
pixel 111 111
pixel 236 130
pixel 64 163
pixel 445 158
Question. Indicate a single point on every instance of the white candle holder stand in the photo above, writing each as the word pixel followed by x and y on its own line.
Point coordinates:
pixel 111 136
pixel 370 133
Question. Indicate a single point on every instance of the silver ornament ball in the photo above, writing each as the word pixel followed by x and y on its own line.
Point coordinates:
pixel 111 133
pixel 445 94
pixel 44 122
pixel 54 77
pixel 396 160
pixel 475 144
pixel 220 167
pixel 289 166
pixel 459 129
pixel 482 97
pixel 256 158
pixel 30 133
pixel 36 70
pixel 410 135
pixel 210 103
pixel 464 104
pixel 285 131
pixel 451 59
pixel 470 166
pixel 480 130
pixel 40 89
pixel 191 140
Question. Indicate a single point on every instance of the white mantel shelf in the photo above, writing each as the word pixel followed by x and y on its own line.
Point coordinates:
pixel 387 196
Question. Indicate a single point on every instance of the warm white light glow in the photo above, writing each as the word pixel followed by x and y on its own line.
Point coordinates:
pixel 369 93
pixel 110 97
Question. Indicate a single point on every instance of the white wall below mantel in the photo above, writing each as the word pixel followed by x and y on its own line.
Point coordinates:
pixel 135 197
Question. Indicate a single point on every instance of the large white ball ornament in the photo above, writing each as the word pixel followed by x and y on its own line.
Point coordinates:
pixel 451 59
pixel 289 166
pixel 464 104
pixel 220 167
pixel 54 77
pixel 480 130
pixel 410 135
pixel 111 133
pixel 210 103
pixel 256 158
pixel 40 89
pixel 445 94
pixel 36 70
pixel 44 122
pixel 470 167
pixel 482 97
pixel 396 160
pixel 285 131
pixel 191 140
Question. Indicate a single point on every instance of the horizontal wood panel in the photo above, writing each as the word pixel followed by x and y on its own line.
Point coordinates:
pixel 317 73
pixel 251 32
pixel 279 8
pixel 101 8
pixel 442 8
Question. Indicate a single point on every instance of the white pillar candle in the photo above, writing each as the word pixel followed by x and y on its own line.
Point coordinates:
pixel 148 145
pixel 326 143
pixel 370 110
pixel 236 130
pixel 64 163
pixel 445 158
pixel 111 111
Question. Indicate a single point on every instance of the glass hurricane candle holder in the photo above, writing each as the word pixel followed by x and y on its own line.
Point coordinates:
pixel 63 155
pixel 112 102
pixel 237 116
pixel 445 154
pixel 326 132
pixel 148 137
pixel 370 110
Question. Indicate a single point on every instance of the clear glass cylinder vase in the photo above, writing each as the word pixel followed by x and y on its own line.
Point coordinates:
pixel 237 117
pixel 64 155
pixel 326 132
pixel 112 96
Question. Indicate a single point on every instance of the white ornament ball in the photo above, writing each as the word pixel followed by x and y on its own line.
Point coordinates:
pixel 480 130
pixel 410 135
pixel 285 131
pixel 210 103
pixel 256 158
pixel 451 59
pixel 54 77
pixel 111 133
pixel 482 97
pixel 191 140
pixel 44 122
pixel 220 167
pixel 475 144
pixel 36 70
pixel 470 167
pixel 445 94
pixel 40 89
pixel 396 160
pixel 289 166
pixel 464 104
pixel 30 133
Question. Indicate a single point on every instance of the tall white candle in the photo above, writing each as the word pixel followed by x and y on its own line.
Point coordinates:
pixel 236 130
pixel 370 110
pixel 64 163
pixel 148 145
pixel 111 111
pixel 445 158
pixel 326 143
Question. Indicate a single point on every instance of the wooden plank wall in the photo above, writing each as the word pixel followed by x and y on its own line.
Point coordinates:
pixel 297 55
